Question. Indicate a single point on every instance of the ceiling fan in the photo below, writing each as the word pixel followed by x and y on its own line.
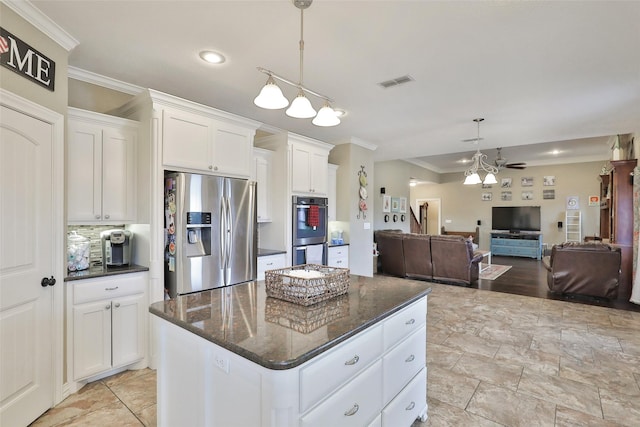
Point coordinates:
pixel 501 162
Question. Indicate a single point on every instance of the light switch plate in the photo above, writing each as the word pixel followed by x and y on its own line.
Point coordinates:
pixel 367 225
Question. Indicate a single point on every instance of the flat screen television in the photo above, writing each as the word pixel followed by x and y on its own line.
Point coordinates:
pixel 515 218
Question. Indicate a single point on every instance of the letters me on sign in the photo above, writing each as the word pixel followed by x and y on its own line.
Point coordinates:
pixel 21 58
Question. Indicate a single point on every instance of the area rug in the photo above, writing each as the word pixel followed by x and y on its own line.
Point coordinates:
pixel 493 271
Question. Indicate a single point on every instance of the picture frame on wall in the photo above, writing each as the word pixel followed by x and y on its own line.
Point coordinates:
pixel 386 203
pixel 487 197
pixel 594 200
pixel 549 181
pixel 403 205
pixel 526 181
pixel 505 196
pixel 527 195
pixel 573 202
pixel 548 194
pixel 506 183
pixel 395 204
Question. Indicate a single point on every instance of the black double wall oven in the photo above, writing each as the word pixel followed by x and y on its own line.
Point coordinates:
pixel 309 230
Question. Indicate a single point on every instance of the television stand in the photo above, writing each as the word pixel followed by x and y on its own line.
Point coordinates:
pixel 527 245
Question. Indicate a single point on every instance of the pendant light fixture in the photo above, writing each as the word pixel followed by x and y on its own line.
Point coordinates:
pixel 271 96
pixel 479 163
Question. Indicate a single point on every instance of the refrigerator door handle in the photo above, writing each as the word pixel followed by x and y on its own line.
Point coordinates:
pixel 223 226
pixel 229 240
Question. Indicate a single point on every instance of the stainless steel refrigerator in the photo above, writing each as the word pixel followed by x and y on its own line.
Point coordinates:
pixel 210 232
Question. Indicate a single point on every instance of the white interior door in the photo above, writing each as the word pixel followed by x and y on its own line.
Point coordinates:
pixel 27 219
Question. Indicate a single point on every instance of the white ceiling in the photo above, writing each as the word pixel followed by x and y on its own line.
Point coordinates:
pixel 538 72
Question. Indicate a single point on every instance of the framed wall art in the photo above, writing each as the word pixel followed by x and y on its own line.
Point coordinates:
pixel 527 195
pixel 505 183
pixel 548 194
pixel 386 203
pixel 403 205
pixel 505 196
pixel 487 197
pixel 549 181
pixel 395 204
pixel 526 181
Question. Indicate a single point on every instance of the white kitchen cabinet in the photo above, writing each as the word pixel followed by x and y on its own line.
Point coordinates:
pixel 262 175
pixel 198 142
pixel 309 171
pixel 332 192
pixel 109 323
pixel 270 262
pixel 338 256
pixel 375 378
pixel 101 154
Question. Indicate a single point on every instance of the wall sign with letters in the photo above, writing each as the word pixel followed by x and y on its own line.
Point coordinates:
pixel 21 58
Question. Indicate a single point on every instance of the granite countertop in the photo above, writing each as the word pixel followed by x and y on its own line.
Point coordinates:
pixel 281 335
pixel 100 271
pixel 331 245
pixel 267 252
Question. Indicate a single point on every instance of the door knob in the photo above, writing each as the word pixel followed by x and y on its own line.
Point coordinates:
pixel 48 282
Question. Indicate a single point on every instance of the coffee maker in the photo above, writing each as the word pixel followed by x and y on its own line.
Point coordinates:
pixel 116 247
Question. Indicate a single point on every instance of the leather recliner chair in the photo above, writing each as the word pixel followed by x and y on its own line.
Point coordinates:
pixel 391 258
pixel 417 256
pixel 453 259
pixel 591 269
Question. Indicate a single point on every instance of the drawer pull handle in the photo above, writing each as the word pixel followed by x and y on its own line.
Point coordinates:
pixel 411 406
pixel 352 361
pixel 353 410
pixel 108 307
pixel 410 358
pixel 410 322
pixel 117 304
pixel 111 289
pixel 269 263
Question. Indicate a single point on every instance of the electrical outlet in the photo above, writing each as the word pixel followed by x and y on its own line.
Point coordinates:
pixel 222 363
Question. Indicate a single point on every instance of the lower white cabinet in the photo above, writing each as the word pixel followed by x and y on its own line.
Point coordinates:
pixel 338 256
pixel 270 262
pixel 376 378
pixel 109 325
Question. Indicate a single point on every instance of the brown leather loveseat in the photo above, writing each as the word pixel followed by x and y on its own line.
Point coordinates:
pixel 591 269
pixel 427 257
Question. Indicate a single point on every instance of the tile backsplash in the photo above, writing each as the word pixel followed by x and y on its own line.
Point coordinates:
pixel 93 233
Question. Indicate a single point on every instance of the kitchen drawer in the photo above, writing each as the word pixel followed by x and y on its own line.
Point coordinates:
pixel 409 404
pixel 403 362
pixel 106 288
pixel 270 262
pixel 338 257
pixel 404 323
pixel 356 404
pixel 337 366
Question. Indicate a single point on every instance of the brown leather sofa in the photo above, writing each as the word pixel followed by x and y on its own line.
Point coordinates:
pixel 427 257
pixel 591 269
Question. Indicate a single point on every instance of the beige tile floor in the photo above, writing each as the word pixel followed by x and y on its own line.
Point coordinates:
pixel 494 359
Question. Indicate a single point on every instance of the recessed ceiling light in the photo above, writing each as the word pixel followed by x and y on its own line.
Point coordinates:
pixel 212 57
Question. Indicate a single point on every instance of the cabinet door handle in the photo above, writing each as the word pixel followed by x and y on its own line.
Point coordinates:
pixel 111 289
pixel 210 167
pixel 411 406
pixel 410 358
pixel 215 168
pixel 117 304
pixel 107 216
pixel 353 410
pixel 269 263
pixel 97 216
pixel 107 307
pixel 353 360
pixel 410 322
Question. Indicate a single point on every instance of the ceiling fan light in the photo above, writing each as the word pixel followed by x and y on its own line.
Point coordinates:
pixel 490 179
pixel 271 97
pixel 472 179
pixel 326 117
pixel 300 107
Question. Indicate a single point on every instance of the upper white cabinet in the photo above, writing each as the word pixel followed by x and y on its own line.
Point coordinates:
pixel 309 169
pixel 101 154
pixel 199 142
pixel 262 175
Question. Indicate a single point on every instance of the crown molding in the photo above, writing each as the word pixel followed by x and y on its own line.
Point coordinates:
pixel 359 142
pixel 100 80
pixel 42 22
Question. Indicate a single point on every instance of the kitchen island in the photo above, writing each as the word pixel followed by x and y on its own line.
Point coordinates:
pixel 235 357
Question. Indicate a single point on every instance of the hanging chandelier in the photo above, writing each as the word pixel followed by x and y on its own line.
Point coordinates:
pixel 272 98
pixel 479 164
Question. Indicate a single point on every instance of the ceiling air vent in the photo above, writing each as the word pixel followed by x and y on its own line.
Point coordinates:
pixel 397 81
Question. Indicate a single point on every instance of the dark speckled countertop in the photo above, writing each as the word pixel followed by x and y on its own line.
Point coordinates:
pixel 281 335
pixel 100 271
